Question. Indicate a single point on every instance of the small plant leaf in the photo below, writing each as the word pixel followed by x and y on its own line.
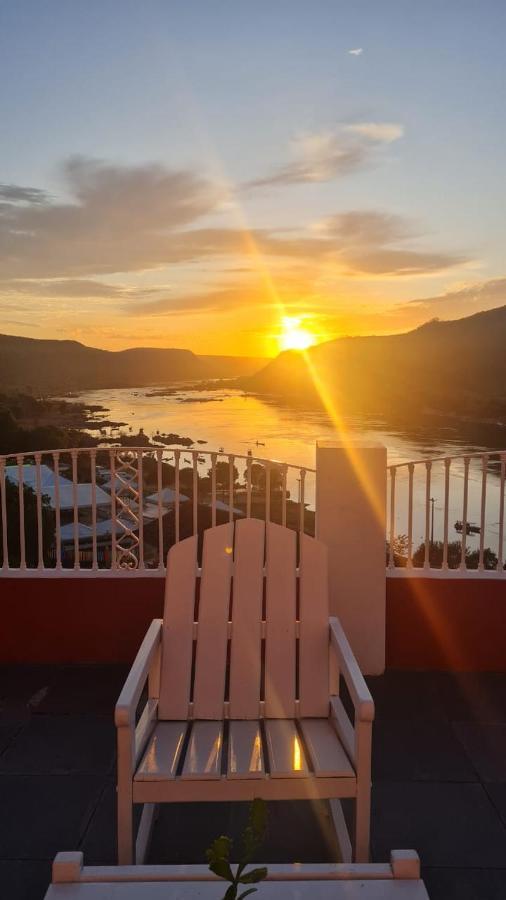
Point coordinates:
pixel 253 876
pixel 222 868
pixel 258 816
pixel 254 832
pixel 231 893
pixel 218 855
pixel 245 893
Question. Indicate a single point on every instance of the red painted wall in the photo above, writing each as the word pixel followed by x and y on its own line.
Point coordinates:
pixel 436 623
pixel 76 620
pixel 431 623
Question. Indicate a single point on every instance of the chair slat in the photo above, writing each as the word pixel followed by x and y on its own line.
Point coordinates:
pixel 177 639
pixel 203 755
pixel 280 622
pixel 162 753
pixel 314 629
pixel 245 754
pixel 211 656
pixel 245 657
pixel 286 753
pixel 325 749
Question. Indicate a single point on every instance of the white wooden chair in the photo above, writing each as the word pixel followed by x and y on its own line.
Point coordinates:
pixel 242 690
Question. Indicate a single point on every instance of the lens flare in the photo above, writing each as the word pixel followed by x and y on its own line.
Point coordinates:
pixel 293 335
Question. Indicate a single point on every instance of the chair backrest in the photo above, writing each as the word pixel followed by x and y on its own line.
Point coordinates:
pixel 248 644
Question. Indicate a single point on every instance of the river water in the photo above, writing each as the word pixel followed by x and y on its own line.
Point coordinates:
pixel 238 423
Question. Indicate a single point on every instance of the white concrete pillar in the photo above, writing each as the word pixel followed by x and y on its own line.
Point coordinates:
pixel 350 519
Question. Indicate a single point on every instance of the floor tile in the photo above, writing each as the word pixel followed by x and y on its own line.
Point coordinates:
pixel 61 744
pixel 485 744
pixel 8 730
pixel 420 750
pixel 24 879
pixel 406 695
pixel 19 683
pixel 447 824
pixel 84 690
pixel 497 794
pixel 465 884
pixel 99 842
pixel 44 814
pixel 297 831
pixel 473 696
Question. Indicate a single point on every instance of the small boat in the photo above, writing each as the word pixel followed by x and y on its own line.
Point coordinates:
pixel 471 528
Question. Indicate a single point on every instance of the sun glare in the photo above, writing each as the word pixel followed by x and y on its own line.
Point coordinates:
pixel 293 335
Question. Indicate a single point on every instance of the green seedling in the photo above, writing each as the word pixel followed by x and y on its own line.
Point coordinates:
pixel 218 854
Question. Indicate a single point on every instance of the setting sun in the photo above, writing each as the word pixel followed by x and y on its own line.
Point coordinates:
pixel 293 335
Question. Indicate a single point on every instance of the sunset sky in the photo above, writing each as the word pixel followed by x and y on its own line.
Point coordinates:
pixel 192 174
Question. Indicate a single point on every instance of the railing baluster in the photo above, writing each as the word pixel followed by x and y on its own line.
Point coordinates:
pixel 57 505
pixel 464 514
pixel 73 455
pixel 302 509
pixel 284 471
pixel 448 463
pixel 114 552
pixel 38 494
pixel 267 469
pixel 159 482
pixel 248 487
pixel 177 456
pixel 411 468
pixel 93 473
pixel 5 538
pixel 391 561
pixel 195 491
pixel 428 467
pixel 500 549
pixel 231 488
pixel 140 501
pixel 484 463
pixel 21 501
pixel 213 489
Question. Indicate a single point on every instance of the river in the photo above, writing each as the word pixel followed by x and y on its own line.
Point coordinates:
pixel 237 422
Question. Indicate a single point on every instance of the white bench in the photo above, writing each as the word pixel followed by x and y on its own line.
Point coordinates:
pixel 243 682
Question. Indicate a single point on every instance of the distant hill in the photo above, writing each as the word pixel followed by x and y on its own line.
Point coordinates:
pixel 44 366
pixel 454 367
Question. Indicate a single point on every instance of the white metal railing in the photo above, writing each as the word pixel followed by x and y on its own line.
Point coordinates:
pixel 119 509
pixel 116 510
pixel 446 514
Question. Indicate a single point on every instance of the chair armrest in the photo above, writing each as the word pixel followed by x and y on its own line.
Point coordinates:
pixel 132 689
pixel 349 668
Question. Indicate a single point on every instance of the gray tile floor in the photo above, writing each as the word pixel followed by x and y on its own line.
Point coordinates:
pixel 439 776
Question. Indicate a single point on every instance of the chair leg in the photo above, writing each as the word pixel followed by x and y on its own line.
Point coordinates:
pixel 125 827
pixel 341 831
pixel 362 824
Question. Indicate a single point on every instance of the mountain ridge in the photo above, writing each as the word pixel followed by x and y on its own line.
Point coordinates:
pixel 456 365
pixel 48 365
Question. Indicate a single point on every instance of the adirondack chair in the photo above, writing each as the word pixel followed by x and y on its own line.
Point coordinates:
pixel 242 689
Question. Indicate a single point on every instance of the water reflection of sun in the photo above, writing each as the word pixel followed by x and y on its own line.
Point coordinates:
pixel 293 334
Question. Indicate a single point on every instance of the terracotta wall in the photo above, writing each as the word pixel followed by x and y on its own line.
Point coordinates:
pixel 436 623
pixel 430 623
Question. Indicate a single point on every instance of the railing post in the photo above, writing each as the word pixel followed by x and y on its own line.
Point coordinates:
pixel 350 519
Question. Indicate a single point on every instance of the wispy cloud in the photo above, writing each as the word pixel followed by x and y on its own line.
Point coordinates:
pixel 380 132
pixel 326 155
pixel 462 300
pixel 13 193
pixel 121 218
pixel 367 243
pixel 357 51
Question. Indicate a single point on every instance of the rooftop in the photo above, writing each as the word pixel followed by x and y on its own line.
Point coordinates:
pixel 439 782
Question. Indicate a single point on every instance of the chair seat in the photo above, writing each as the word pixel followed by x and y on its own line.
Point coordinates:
pixel 273 748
